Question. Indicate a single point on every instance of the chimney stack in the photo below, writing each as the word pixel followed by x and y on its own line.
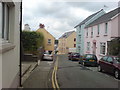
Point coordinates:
pixel 41 25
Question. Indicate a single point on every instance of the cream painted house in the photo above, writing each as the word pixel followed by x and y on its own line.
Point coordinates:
pixel 67 43
pixel 49 40
pixel 9 44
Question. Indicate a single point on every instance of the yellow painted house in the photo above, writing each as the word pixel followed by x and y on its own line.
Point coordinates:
pixel 49 40
pixel 67 43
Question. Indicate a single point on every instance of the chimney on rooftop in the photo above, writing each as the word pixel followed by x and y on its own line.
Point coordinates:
pixel 41 25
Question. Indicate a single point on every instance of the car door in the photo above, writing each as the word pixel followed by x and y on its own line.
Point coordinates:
pixel 103 62
pixel 109 65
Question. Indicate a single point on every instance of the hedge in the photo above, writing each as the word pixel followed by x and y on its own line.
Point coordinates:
pixel 32 41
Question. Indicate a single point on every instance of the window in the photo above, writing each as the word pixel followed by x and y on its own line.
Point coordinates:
pixel 4 9
pixel 49 41
pixel 79 29
pixel 74 45
pixel 92 31
pixel 87 32
pixel 104 58
pixel 88 46
pixel 106 28
pixel 109 59
pixel 79 38
pixel 74 39
pixel 102 48
pixel 98 32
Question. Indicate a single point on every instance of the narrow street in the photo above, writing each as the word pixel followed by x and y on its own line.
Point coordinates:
pixel 70 74
pixel 73 75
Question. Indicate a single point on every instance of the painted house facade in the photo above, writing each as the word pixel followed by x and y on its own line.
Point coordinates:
pixel 9 44
pixel 49 40
pixel 67 43
pixel 80 28
pixel 103 29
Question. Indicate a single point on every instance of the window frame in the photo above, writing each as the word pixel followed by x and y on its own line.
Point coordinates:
pixel 49 41
pixel 5 21
pixel 102 49
pixel 91 31
pixel 98 29
pixel 106 27
pixel 88 46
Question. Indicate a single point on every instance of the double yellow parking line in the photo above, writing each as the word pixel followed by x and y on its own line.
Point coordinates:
pixel 54 78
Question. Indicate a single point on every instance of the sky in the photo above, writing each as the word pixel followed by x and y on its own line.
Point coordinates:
pixel 60 16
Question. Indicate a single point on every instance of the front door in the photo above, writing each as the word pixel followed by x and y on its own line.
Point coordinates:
pixel 94 48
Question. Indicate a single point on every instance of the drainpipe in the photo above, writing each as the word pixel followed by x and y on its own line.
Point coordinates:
pixel 20 66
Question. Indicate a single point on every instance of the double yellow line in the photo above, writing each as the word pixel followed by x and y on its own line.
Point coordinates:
pixel 54 78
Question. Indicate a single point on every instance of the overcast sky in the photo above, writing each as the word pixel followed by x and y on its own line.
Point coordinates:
pixel 61 16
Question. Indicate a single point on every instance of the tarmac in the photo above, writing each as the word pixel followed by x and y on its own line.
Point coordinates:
pixel 27 68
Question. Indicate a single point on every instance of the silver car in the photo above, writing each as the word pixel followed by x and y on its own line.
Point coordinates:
pixel 48 56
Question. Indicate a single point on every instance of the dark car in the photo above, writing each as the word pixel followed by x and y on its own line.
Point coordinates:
pixel 88 59
pixel 110 64
pixel 69 55
pixel 74 56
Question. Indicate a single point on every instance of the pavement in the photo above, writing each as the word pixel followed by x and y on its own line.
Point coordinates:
pixel 41 76
pixel 27 68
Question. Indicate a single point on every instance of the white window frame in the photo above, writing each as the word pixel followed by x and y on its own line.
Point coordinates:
pixel 98 29
pixel 88 46
pixel 49 41
pixel 5 22
pixel 0 20
pixel 6 43
pixel 106 28
pixel 103 48
pixel 91 31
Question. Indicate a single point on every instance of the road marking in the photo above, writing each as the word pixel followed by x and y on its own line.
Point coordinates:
pixel 54 74
pixel 53 84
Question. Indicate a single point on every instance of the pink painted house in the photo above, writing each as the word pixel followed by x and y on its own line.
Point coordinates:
pixel 97 33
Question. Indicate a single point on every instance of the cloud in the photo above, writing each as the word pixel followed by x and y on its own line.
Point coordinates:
pixel 59 17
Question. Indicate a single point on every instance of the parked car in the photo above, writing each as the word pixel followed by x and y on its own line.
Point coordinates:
pixel 88 59
pixel 74 56
pixel 69 55
pixel 110 64
pixel 48 56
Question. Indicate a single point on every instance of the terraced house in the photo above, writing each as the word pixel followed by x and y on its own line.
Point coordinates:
pixel 100 31
pixel 80 30
pixel 67 43
pixel 9 44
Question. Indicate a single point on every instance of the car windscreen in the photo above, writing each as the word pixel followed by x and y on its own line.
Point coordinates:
pixel 76 54
pixel 90 56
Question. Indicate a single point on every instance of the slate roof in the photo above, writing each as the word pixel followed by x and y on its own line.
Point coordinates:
pixel 105 18
pixel 67 34
pixel 88 18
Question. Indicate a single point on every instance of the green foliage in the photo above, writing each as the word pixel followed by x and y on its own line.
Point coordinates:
pixel 32 41
pixel 114 47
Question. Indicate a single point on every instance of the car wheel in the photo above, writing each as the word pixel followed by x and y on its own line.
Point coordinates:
pixel 79 62
pixel 99 68
pixel 117 74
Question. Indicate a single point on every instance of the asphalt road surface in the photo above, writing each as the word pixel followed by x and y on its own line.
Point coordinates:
pixel 69 74
pixel 73 75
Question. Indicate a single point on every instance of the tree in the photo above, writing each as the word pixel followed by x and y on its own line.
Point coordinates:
pixel 32 41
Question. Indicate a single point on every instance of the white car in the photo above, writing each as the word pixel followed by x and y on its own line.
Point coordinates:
pixel 47 56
